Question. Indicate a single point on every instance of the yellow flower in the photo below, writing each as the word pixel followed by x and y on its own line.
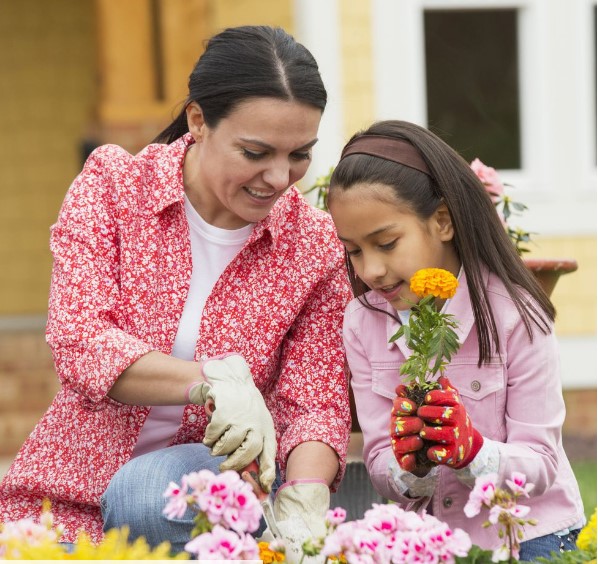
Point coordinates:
pixel 434 281
pixel 587 536
pixel 115 546
pixel 340 558
pixel 267 555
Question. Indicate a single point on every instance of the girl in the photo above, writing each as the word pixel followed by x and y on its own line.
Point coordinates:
pixel 402 200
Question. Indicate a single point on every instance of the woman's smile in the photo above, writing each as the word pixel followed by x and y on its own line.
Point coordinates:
pixel 262 195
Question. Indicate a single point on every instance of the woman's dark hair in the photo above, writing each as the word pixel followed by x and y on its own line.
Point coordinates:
pixel 248 62
pixel 480 238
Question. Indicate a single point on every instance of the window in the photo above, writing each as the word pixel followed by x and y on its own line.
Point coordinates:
pixel 472 83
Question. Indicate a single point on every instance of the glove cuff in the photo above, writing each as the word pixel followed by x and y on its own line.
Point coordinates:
pixel 301 481
pixel 205 378
pixel 476 445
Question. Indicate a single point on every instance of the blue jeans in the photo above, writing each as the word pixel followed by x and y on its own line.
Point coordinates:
pixel 543 546
pixel 134 495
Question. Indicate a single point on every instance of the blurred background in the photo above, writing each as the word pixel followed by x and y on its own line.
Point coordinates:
pixel 511 82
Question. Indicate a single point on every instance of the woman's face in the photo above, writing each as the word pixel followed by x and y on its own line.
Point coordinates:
pixel 237 170
pixel 388 243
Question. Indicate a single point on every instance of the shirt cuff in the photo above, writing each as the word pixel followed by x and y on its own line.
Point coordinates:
pixel 486 461
pixel 410 484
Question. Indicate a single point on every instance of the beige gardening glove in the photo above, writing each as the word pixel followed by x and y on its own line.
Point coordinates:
pixel 300 510
pixel 241 426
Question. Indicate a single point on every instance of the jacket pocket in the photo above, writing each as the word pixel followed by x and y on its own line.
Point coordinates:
pixel 483 392
pixel 385 378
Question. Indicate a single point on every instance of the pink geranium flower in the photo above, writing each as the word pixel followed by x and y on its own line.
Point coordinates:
pixel 482 494
pixel 229 501
pixel 336 516
pixel 489 178
pixel 502 553
pixel 518 485
pixel 177 501
pixel 222 544
pixel 225 499
pixel 504 511
pixel 388 533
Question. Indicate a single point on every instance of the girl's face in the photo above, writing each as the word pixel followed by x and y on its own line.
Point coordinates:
pixel 236 171
pixel 387 242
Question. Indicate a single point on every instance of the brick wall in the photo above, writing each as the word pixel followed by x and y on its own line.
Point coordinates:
pixel 27 383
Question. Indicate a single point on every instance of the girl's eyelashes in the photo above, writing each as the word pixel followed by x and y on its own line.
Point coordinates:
pixel 389 246
pixel 385 247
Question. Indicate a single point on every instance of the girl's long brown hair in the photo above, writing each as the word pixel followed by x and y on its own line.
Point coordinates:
pixel 480 238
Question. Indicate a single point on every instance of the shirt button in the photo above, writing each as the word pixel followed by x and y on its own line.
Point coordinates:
pixel 447 502
pixel 192 418
pixel 476 386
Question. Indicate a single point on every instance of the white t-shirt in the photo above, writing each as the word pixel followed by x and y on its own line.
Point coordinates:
pixel 212 249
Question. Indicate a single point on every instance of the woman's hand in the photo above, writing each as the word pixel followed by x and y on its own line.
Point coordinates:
pixel 450 426
pixel 240 423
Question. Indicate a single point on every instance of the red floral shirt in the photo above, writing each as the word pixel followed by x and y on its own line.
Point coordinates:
pixel 122 266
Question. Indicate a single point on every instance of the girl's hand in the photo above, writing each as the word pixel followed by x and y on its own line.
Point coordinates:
pixel 405 427
pixel 450 426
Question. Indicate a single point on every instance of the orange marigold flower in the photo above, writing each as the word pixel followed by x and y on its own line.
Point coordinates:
pixel 434 281
pixel 267 555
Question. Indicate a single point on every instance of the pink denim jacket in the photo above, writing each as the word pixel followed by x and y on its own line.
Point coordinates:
pixel 515 401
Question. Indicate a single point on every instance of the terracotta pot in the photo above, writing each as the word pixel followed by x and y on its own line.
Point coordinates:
pixel 548 271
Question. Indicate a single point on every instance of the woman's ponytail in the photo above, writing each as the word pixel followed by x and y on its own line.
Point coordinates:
pixel 176 129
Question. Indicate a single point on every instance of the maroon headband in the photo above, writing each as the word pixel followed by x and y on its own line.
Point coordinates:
pixel 389 148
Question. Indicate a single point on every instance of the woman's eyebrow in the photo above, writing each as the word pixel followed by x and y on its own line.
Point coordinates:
pixel 271 148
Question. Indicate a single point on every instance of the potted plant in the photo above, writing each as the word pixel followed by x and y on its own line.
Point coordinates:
pixel 546 271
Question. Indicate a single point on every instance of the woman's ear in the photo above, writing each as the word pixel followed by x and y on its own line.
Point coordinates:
pixel 444 224
pixel 195 121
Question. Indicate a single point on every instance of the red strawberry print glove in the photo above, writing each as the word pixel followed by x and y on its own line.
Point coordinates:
pixel 404 430
pixel 450 426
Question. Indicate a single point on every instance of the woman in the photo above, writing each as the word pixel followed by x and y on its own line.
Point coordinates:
pixel 167 262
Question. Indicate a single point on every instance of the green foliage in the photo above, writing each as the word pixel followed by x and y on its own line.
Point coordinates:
pixel 321 187
pixel 585 472
pixel 432 338
pixel 476 555
pixel 508 207
pixel 569 557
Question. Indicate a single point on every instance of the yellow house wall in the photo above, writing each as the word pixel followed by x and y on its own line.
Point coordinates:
pixel 46 96
pixel 357 66
pixel 230 13
pixel 575 294
pixel 50 95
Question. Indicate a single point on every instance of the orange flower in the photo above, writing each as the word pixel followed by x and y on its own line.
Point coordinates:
pixel 267 555
pixel 434 281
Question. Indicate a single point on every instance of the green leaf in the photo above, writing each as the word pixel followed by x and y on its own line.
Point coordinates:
pixel 476 555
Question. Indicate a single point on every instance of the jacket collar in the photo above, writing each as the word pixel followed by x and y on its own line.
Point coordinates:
pixel 165 173
pixel 459 306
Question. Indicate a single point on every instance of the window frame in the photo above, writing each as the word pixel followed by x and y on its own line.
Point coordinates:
pixel 400 92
